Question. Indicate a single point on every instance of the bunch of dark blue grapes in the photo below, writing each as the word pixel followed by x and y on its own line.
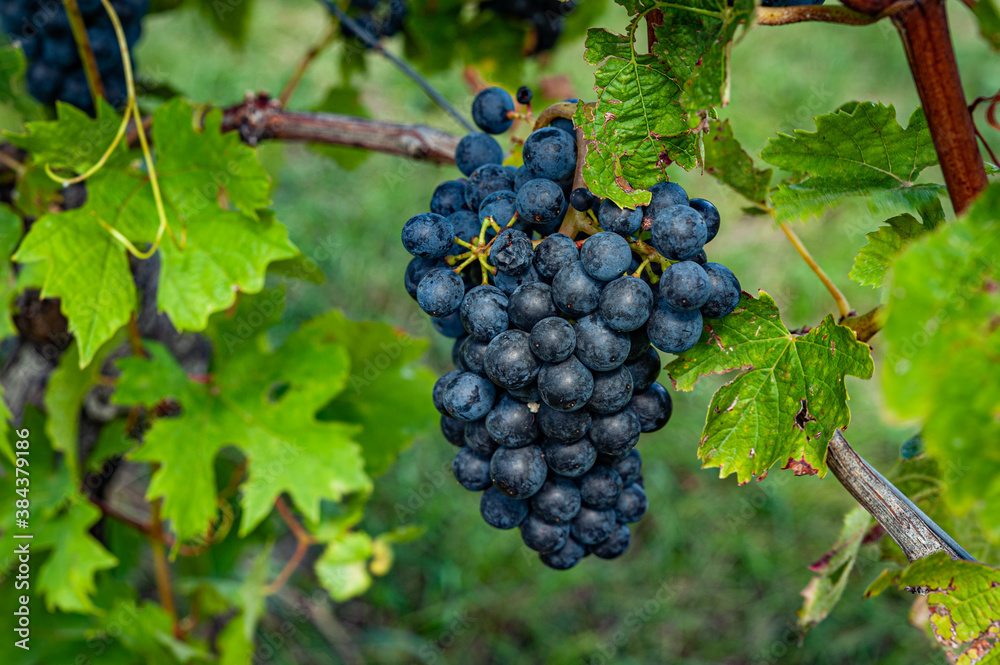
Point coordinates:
pixel 380 18
pixel 547 17
pixel 41 28
pixel 557 338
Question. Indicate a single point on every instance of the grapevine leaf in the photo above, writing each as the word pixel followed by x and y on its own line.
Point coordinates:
pixel 12 88
pixel 88 272
pixel 73 141
pixel 942 334
pixel 988 16
pixel 860 152
pixel 726 160
pixel 874 259
pixel 382 381
pixel 262 402
pixel 695 45
pixel 833 570
pixel 342 568
pixel 789 397
pixel 60 522
pixel 964 603
pixel 230 19
pixel 636 127
pixel 113 441
pixel 68 385
pixel 11 230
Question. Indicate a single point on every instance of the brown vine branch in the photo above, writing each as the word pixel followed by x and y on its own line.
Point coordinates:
pixel 162 568
pixel 303 540
pixel 804 13
pixel 915 532
pixel 260 118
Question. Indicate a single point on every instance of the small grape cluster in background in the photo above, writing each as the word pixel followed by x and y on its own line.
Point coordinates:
pixel 380 18
pixel 546 16
pixel 41 28
pixel 556 335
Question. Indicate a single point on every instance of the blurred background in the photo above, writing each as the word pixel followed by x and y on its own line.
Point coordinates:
pixel 715 571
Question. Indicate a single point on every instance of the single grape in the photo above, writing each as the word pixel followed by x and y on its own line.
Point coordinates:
pixel 509 361
pixel 626 303
pixel 486 180
pixel 565 386
pixel 437 393
pixel 623 221
pixel 475 150
pixel 524 95
pixel 466 225
pixel 530 304
pixel 575 292
pixel 428 236
pixel 570 459
pixel 500 206
pixel 478 439
pixel 612 390
pixel 472 351
pixel 631 505
pixel 725 294
pixel 663 195
pixel 563 426
pixel 448 197
pixel 685 286
pixel 490 110
pixel 511 252
pixel 553 339
pixel 415 271
pixel 629 467
pixel 468 396
pixel 511 423
pixel 605 256
pixel 615 433
pixel 550 153
pixel 671 331
pixel 540 201
pixel 598 346
pixel 644 369
pixel 510 283
pixel 600 487
pixel 566 556
pixel 653 407
pixel 542 536
pixel 581 199
pixel 453 430
pixel 553 254
pixel 710 214
pixel 440 292
pixel 591 526
pixel 638 343
pixel 678 232
pixel 484 312
pixel 449 326
pixel 557 501
pixel 518 472
pixel 502 512
pixel 615 545
pixel 471 471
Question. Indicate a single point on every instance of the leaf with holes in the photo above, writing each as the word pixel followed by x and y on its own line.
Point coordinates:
pixel 858 151
pixel 789 397
pixel 964 603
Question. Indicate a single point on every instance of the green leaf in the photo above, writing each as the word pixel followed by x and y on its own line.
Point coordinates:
pixel 12 87
pixel 385 394
pixel 265 404
pixel 113 441
pixel 730 164
pixel 636 127
pixel 87 271
pixel 68 385
pixel 229 18
pixel 988 16
pixel 11 230
pixel 73 141
pixel 863 152
pixel 833 570
pixel 789 397
pixel 696 45
pixel 964 603
pixel 60 522
pixel 875 258
pixel 342 568
pixel 942 337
